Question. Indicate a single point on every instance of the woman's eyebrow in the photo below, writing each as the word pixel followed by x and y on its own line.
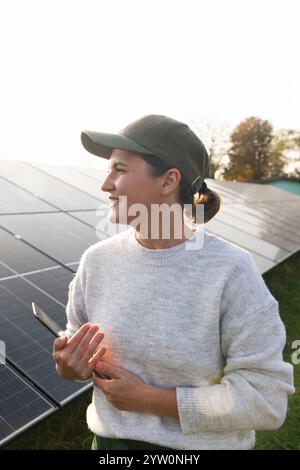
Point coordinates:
pixel 114 164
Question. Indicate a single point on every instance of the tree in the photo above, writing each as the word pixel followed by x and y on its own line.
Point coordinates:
pixel 214 135
pixel 250 152
pixel 287 143
pixel 278 159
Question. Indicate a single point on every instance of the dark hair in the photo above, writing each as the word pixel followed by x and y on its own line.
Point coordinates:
pixel 209 198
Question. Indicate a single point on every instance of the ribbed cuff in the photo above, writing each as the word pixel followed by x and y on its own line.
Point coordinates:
pixel 202 408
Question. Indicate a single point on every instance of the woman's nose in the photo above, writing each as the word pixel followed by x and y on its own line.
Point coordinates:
pixel 107 184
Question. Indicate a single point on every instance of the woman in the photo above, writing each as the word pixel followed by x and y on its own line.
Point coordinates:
pixel 191 335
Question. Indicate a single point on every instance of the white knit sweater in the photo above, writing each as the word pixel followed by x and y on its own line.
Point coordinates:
pixel 199 320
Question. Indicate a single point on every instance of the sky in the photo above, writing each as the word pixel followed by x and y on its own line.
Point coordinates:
pixel 70 65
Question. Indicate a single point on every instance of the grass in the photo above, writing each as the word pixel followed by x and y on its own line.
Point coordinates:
pixel 284 283
pixel 67 429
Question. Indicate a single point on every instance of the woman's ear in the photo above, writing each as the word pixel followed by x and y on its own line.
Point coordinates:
pixel 171 180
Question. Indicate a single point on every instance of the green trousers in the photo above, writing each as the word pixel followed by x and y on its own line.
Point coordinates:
pixel 105 443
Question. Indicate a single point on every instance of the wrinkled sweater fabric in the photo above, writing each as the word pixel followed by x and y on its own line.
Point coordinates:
pixel 196 317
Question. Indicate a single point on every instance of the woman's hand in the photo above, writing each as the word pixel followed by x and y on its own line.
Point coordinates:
pixel 125 391
pixel 76 358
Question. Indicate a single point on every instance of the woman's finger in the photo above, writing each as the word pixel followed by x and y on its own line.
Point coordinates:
pixel 59 343
pixel 82 346
pixel 95 359
pixel 77 337
pixel 94 344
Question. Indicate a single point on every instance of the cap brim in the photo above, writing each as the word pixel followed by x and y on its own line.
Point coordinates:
pixel 102 144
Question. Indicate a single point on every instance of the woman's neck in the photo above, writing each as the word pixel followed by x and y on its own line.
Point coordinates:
pixel 164 242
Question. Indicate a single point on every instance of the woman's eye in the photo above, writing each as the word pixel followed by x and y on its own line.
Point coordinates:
pixel 117 169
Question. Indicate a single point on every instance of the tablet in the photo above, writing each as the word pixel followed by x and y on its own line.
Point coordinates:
pixel 44 318
pixel 52 326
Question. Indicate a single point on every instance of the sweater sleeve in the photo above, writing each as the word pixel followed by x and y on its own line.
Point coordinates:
pixel 255 384
pixel 76 307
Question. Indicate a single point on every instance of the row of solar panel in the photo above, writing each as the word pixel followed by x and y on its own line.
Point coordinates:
pixel 255 217
pixel 30 388
pixel 270 235
pixel 48 219
pixel 21 404
pixel 29 189
pixel 29 344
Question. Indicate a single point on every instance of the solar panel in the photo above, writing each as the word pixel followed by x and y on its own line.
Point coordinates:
pixel 20 404
pixel 263 264
pixel 74 265
pixel 262 219
pixel 91 186
pixel 245 240
pixel 54 281
pixel 89 217
pixel 287 213
pixel 254 191
pixel 58 235
pixel 5 271
pixel 262 231
pixel 94 173
pixel 28 343
pixel 20 257
pixel 98 220
pixel 15 199
pixel 55 192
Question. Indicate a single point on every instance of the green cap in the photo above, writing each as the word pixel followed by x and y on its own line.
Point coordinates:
pixel 170 140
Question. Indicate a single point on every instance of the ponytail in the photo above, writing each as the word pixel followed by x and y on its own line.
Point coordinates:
pixel 209 198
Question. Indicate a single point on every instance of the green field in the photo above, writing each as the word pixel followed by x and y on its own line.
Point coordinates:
pixel 66 429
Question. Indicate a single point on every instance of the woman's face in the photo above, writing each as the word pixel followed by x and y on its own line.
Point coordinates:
pixel 128 175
